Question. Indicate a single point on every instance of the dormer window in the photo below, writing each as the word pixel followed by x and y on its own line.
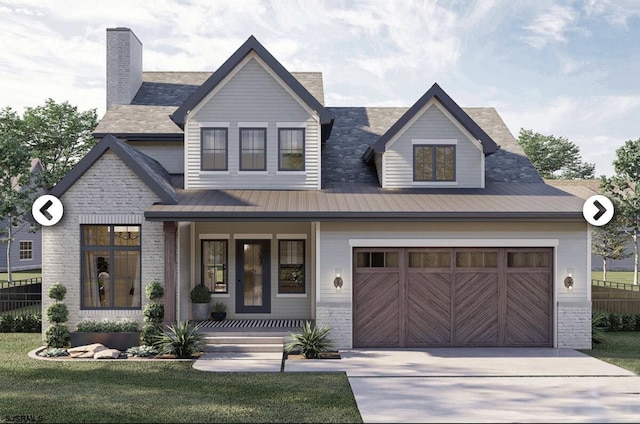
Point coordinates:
pixel 434 162
pixel 291 149
pixel 214 149
pixel 253 149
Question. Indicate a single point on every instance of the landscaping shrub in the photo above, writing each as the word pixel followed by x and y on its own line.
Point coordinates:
pixel 27 323
pixel 154 290
pixel 6 323
pixel 628 322
pixel 150 334
pixel 182 340
pixel 142 351
pixel 310 341
pixel 614 322
pixel 57 313
pixel 57 335
pixel 637 322
pixel 54 352
pixel 57 292
pixel 153 312
pixel 599 323
pixel 106 326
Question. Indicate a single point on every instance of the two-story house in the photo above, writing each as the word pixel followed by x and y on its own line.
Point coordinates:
pixel 396 226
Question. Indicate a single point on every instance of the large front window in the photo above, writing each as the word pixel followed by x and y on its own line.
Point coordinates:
pixel 291 268
pixel 434 163
pixel 291 149
pixel 253 149
pixel 110 266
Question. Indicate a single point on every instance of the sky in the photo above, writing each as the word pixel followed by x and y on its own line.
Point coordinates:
pixel 564 68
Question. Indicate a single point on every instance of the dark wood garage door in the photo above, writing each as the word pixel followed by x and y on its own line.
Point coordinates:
pixel 452 297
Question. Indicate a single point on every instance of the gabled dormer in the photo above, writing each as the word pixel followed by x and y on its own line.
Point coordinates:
pixel 434 144
pixel 252 125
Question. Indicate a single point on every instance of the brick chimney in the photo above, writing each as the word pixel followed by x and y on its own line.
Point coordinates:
pixel 124 66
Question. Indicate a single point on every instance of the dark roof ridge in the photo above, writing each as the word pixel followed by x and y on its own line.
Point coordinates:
pixel 148 169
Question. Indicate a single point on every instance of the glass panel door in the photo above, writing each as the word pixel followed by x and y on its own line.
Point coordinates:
pixel 253 271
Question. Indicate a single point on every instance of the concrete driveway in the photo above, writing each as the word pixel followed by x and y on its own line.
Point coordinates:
pixel 484 385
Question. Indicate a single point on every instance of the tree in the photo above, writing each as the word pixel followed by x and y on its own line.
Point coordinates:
pixel 609 242
pixel 624 189
pixel 554 157
pixel 59 135
pixel 16 184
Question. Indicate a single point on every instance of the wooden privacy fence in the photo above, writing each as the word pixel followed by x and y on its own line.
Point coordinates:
pixel 21 296
pixel 620 298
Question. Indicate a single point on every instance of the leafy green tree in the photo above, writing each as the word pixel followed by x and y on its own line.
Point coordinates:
pixel 16 185
pixel 624 189
pixel 59 135
pixel 609 242
pixel 554 157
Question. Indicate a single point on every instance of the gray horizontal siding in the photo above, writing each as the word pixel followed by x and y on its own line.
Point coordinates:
pixel 18 264
pixel 433 124
pixel 169 155
pixel 253 95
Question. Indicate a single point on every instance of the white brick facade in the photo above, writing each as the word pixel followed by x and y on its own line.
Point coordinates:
pixel 108 193
pixel 337 315
pixel 574 325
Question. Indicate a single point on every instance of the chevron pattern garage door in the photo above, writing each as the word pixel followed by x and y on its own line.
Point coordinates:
pixel 452 297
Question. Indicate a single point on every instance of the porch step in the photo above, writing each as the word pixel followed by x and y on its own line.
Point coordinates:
pixel 243 343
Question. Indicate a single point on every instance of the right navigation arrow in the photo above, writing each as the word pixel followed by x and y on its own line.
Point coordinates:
pixel 601 210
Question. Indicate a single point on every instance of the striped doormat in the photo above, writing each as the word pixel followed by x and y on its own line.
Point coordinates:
pixel 253 323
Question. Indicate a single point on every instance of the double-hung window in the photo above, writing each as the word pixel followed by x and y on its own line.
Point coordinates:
pixel 253 149
pixel 434 162
pixel 26 250
pixel 110 266
pixel 291 266
pixel 214 149
pixel 291 149
pixel 214 265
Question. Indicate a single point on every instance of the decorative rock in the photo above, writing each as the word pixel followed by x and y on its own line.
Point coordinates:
pixel 86 351
pixel 107 354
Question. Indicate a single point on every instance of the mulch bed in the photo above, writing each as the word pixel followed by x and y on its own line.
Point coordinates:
pixel 321 355
pixel 123 356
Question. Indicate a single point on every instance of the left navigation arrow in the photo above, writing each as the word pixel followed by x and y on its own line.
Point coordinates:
pixel 47 210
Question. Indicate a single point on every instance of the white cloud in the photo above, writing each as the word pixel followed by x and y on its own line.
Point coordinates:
pixel 550 26
pixel 617 12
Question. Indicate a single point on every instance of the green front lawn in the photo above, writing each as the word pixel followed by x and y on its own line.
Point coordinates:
pixel 19 275
pixel 615 276
pixel 619 348
pixel 161 392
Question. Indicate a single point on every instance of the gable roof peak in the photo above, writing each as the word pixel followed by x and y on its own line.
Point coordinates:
pixel 435 92
pixel 252 44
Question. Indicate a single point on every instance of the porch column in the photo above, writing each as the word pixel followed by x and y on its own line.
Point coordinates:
pixel 170 231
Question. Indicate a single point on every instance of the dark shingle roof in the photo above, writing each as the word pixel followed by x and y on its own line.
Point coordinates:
pixel 160 95
pixel 148 169
pixel 357 128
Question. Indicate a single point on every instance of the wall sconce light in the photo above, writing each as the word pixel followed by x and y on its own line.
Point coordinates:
pixel 337 282
pixel 568 280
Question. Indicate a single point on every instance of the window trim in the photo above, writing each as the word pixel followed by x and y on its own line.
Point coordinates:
pixel 264 131
pixel 226 265
pixel 304 146
pixel 226 149
pixel 304 268
pixel 29 250
pixel 111 248
pixel 433 148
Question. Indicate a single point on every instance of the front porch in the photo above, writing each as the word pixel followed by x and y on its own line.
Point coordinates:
pixel 251 325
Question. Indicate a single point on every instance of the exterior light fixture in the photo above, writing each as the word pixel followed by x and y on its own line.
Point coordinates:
pixel 337 282
pixel 568 280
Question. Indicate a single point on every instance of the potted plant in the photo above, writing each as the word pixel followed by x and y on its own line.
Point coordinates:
pixel 200 298
pixel 218 311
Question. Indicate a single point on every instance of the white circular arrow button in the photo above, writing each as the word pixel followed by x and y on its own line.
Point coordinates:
pixel 47 210
pixel 598 210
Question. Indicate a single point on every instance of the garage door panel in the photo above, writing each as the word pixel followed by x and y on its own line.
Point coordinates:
pixel 475 313
pixel 428 309
pixel 528 309
pixel 377 309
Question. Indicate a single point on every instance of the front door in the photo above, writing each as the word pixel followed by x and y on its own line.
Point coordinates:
pixel 253 288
